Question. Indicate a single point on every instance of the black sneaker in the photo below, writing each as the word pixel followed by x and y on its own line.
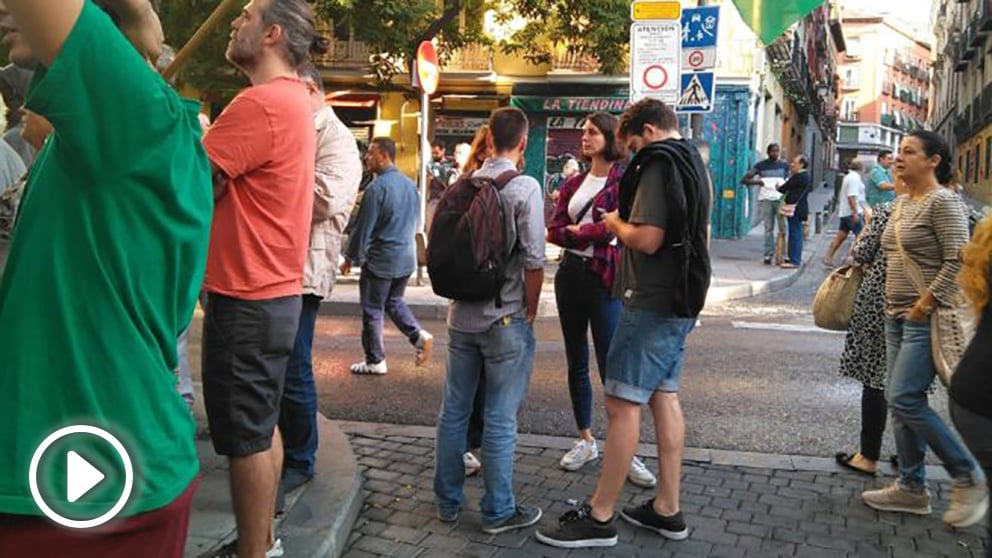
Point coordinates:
pixel 578 529
pixel 523 517
pixel 672 527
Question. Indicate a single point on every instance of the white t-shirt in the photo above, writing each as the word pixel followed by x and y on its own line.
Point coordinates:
pixel 852 186
pixel 587 191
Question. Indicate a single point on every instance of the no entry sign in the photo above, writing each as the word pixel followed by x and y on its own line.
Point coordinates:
pixel 655 59
pixel 427 73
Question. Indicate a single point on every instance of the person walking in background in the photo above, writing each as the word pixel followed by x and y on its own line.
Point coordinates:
pixel 769 174
pixel 880 187
pixel 852 209
pixel 863 358
pixel 337 172
pixel 922 244
pixel 382 244
pixel 971 385
pixel 584 281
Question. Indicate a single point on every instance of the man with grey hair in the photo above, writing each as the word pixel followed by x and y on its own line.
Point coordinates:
pixel 262 149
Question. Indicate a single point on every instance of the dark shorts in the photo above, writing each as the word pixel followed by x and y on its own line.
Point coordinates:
pixel 848 225
pixel 159 533
pixel 246 347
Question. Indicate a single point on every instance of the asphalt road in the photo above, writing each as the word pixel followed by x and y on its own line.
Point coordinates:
pixel 758 377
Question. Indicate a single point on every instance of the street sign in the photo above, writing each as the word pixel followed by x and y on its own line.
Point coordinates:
pixel 697 92
pixel 698 58
pixel 428 72
pixel 655 60
pixel 699 27
pixel 641 10
pixel 699 33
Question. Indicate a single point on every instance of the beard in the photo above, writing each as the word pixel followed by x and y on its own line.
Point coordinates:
pixel 243 51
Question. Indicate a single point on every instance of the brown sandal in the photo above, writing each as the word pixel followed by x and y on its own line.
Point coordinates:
pixel 845 460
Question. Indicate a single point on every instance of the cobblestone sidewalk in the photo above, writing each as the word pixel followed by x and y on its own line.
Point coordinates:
pixel 732 511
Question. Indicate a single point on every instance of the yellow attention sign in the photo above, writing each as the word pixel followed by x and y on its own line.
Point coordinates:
pixel 642 10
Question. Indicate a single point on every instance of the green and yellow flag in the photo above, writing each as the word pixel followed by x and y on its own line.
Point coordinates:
pixel 770 18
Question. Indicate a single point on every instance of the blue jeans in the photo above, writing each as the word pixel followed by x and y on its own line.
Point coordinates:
pixel 796 240
pixel 584 302
pixel 383 296
pixel 506 353
pixel 914 424
pixel 768 210
pixel 182 371
pixel 298 410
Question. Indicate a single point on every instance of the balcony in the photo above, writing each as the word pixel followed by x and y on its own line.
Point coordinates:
pixel 887 120
pixel 344 54
pixel 975 35
pixel 984 15
pixel 967 48
pixel 987 103
pixel 473 58
pixel 568 60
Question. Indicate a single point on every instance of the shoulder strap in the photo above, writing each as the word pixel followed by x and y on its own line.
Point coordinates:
pixel 912 269
pixel 505 178
pixel 585 209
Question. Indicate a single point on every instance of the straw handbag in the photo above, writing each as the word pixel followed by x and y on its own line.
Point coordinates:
pixel 833 304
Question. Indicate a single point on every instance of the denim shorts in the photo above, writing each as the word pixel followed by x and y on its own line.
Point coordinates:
pixel 847 224
pixel 646 354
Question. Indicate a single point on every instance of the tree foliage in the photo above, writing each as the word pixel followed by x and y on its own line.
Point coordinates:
pixel 393 29
pixel 585 27
pixel 207 70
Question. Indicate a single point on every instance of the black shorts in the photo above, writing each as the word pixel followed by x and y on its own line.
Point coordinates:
pixel 246 347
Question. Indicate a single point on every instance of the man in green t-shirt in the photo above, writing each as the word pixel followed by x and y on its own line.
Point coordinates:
pixel 880 187
pixel 106 260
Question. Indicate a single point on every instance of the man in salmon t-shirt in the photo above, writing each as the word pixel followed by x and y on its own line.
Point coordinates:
pixel 262 148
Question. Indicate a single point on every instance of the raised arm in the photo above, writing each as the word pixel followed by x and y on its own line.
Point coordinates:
pixel 45 24
pixel 140 24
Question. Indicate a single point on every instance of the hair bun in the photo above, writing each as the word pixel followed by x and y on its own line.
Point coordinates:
pixel 320 45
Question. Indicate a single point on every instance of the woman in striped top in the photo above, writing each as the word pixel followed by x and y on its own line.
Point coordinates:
pixel 927 229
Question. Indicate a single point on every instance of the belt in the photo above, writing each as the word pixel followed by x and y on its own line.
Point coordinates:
pixel 572 255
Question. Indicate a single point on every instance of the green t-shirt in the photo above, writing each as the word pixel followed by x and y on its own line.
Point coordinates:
pixel 874 195
pixel 105 264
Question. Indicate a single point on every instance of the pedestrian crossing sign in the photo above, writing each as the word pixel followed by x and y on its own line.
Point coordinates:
pixel 697 92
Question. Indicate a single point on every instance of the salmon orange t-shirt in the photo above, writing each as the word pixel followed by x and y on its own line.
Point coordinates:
pixel 264 142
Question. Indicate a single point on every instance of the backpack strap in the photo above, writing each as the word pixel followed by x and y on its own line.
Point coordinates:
pixel 503 179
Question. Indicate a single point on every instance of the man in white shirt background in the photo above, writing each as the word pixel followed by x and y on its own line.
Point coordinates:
pixel 852 210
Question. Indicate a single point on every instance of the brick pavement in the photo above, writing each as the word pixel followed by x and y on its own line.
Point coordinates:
pixel 732 511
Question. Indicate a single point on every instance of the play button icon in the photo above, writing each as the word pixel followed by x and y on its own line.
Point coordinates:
pixel 81 476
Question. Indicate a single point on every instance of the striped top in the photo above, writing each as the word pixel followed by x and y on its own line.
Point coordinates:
pixel 933 230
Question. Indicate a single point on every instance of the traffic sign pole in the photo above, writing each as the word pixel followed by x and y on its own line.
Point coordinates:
pixel 696 120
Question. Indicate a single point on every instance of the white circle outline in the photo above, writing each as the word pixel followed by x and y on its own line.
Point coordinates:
pixel 105 436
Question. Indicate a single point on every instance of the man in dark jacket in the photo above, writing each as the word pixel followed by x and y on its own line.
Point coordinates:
pixel 796 191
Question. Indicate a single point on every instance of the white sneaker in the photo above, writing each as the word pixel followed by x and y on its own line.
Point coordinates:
pixel 639 474
pixel 424 345
pixel 364 368
pixel 472 465
pixel 581 453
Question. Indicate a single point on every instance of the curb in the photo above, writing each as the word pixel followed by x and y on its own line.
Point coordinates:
pixel 319 522
pixel 319 516
pixel 731 458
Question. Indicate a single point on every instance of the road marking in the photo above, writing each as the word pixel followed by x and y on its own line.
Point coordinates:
pixel 793 328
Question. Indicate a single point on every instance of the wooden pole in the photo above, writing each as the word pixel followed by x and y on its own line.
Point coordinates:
pixel 199 37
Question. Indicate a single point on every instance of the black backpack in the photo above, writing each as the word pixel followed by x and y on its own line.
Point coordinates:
pixel 688 192
pixel 467 250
